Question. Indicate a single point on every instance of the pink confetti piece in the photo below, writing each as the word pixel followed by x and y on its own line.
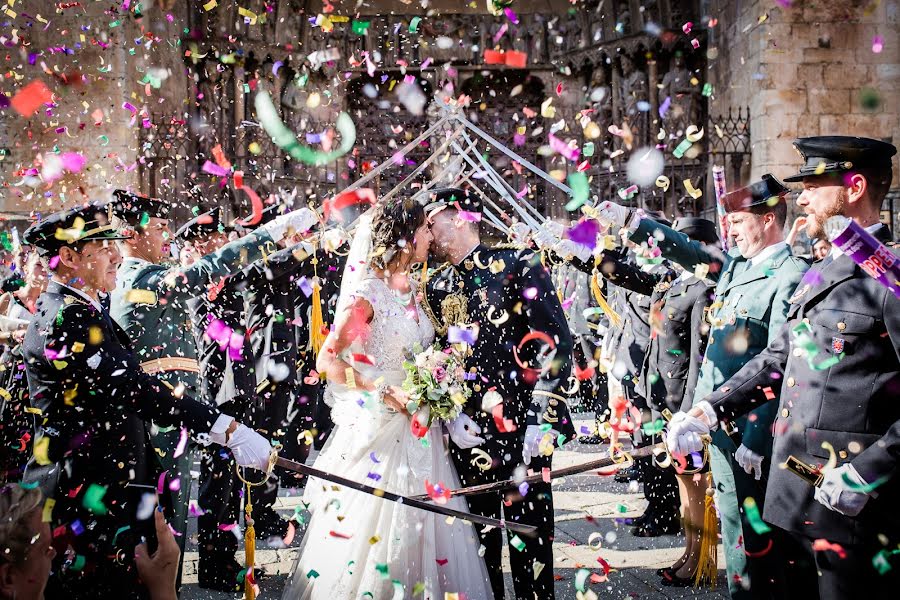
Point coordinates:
pixel 214 169
pixel 500 33
pixel 564 149
pixel 511 15
pixel 522 193
pixel 182 443
pixel 877 44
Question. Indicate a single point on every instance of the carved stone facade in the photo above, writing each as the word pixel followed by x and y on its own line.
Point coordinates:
pixel 618 75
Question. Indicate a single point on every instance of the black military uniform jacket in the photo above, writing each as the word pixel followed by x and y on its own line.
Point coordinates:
pixel 672 364
pixel 845 395
pixel 508 294
pixel 94 400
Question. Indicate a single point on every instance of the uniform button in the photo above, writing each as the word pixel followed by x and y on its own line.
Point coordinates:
pixel 841 326
pixel 785 413
pixel 791 382
pixel 711 340
pixel 842 454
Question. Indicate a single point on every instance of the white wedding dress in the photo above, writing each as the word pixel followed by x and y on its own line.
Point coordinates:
pixel 360 546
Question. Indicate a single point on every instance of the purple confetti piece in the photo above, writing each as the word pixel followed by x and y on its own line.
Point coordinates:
pixel 523 488
pixel 461 335
pixel 305 286
pixel 812 278
pixel 584 233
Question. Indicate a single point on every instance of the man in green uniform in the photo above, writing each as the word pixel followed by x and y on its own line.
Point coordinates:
pixel 755 281
pixel 150 304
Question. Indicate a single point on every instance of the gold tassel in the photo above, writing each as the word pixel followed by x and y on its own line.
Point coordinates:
pixel 249 549
pixel 316 321
pixel 614 317
pixel 708 567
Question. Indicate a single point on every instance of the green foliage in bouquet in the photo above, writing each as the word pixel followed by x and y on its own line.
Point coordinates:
pixel 436 379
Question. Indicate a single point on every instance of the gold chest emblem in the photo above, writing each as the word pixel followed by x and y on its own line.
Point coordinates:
pixel 454 310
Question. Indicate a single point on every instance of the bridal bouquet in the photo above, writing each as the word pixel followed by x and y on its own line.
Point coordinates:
pixel 436 384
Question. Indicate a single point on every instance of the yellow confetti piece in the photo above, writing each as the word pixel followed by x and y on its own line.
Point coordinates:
pixel 138 296
pixel 374 540
pixel 95 336
pixel 690 189
pixel 538 567
pixel 47 514
pixel 820 168
pixel 69 395
pixel 210 5
pixel 701 270
pixel 4 394
pixel 548 111
pixel 60 364
pixel 78 347
pixel 449 520
pixel 663 182
pixel 41 448
pixel 481 459
pixel 33 410
pixel 248 14
pixel 451 596
pixel 497 266
pixel 351 379
pixel 693 134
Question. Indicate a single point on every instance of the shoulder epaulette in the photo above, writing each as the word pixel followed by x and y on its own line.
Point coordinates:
pixel 510 246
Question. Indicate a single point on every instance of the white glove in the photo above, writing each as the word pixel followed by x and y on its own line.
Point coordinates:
pixel 610 213
pixel 544 239
pixel 568 248
pixel 464 432
pixel 836 495
pixel 750 461
pixel 249 448
pixel 298 220
pixel 683 434
pixel 533 438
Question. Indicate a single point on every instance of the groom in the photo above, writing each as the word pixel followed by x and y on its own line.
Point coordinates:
pixel 520 362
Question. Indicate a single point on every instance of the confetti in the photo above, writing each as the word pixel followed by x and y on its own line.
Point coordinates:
pixel 752 512
pixel 31 97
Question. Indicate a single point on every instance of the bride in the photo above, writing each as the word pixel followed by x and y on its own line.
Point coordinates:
pixel 357 545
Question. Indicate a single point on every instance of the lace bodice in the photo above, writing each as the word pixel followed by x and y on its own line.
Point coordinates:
pixel 395 329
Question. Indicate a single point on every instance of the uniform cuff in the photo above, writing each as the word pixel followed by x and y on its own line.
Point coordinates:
pixel 709 414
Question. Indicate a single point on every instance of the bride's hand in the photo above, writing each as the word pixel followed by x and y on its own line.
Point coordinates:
pixel 395 398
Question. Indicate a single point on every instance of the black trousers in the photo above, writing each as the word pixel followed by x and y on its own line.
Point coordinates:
pixel 855 576
pixel 220 498
pixel 535 508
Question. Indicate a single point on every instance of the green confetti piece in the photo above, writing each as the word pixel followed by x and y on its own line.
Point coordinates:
pixel 78 563
pixel 756 522
pixel 155 82
pixel 414 24
pixel 545 427
pixel 866 488
pixel 827 363
pixel 93 499
pixel 581 579
pixel 382 570
pixel 360 27
pixel 312 574
pixel 418 588
pixel 4 239
pixel 588 149
pixel 560 440
pixel 242 574
pixel 679 150
pixel 114 24
pixel 517 543
pixel 580 191
pixel 654 427
pixel 145 219
pixel 880 560
pixel 707 89
pixel 622 508
pixel 675 352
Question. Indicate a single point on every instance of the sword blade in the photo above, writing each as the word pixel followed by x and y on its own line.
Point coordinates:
pixel 592 465
pixel 291 465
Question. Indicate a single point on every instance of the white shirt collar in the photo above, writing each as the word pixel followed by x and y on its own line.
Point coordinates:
pixel 78 292
pixel 766 253
pixel 835 251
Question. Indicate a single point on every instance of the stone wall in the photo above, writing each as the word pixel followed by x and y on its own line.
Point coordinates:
pixel 807 68
pixel 92 58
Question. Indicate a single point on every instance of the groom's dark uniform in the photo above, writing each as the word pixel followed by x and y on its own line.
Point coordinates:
pixel 506 294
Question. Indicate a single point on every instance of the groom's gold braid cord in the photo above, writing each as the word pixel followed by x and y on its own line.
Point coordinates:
pixel 440 328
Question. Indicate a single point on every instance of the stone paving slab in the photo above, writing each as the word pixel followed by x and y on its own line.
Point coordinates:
pixel 584 504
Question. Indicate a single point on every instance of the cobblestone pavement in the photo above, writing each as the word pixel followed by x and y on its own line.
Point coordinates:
pixel 584 504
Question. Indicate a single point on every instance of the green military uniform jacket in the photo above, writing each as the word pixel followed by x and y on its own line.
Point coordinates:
pixel 150 304
pixel 750 306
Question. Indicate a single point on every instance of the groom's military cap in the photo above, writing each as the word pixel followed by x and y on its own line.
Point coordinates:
pixel 838 154
pixel 456 198
pixel 84 223
pixel 767 191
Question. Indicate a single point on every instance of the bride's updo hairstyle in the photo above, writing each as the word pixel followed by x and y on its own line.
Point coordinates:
pixel 394 225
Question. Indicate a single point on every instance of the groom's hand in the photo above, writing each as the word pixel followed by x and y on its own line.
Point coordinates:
pixel 464 432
